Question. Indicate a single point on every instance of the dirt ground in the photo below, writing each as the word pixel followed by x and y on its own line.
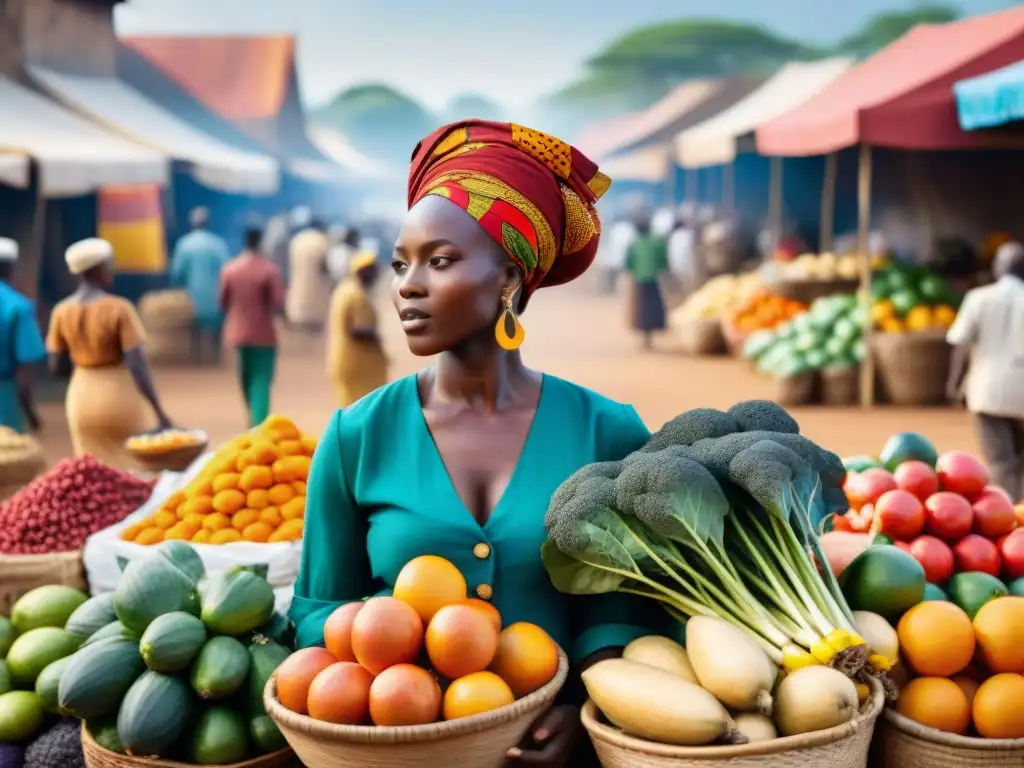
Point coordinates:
pixel 571 333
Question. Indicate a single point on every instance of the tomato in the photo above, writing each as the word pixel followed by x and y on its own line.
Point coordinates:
pixel 860 519
pixel 842 522
pixel 1011 547
pixel 899 515
pixel 918 478
pixel 935 557
pixel 976 553
pixel 1001 491
pixel 962 473
pixel 842 548
pixel 904 545
pixel 1018 510
pixel 948 515
pixel 866 487
pixel 993 514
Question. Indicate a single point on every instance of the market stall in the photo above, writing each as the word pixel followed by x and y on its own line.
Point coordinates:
pixel 992 99
pixel 901 98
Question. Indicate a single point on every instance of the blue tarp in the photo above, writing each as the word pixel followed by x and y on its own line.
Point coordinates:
pixel 992 99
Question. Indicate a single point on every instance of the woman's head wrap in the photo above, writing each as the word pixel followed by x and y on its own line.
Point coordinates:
pixel 533 193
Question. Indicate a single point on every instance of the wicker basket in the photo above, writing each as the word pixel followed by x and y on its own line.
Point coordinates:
pixel 809 291
pixel 700 337
pixel 840 385
pixel 98 757
pixel 176 460
pixel 902 743
pixel 21 573
pixel 801 389
pixel 913 367
pixel 480 741
pixel 845 746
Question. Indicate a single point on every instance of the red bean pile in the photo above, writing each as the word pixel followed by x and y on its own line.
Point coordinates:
pixel 58 511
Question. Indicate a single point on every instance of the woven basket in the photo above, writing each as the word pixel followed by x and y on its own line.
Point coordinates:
pixel 913 367
pixel 902 743
pixel 801 389
pixel 734 338
pixel 809 291
pixel 21 473
pixel 177 460
pixel 22 573
pixel 840 385
pixel 700 337
pixel 480 741
pixel 98 757
pixel 845 746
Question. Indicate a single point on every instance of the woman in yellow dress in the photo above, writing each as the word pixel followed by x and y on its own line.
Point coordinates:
pixel 98 339
pixel 356 363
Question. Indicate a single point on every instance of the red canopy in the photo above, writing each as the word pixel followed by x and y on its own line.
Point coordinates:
pixel 902 97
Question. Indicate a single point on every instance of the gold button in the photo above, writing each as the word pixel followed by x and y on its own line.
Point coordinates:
pixel 482 551
pixel 485 592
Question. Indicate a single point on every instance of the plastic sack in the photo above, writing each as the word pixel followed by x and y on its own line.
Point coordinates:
pixel 105 554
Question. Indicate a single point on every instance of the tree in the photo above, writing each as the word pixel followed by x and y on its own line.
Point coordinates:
pixel 886 28
pixel 378 120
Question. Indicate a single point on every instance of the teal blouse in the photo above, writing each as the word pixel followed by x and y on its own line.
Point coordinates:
pixel 379 495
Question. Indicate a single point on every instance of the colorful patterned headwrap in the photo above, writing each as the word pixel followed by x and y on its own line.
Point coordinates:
pixel 531 192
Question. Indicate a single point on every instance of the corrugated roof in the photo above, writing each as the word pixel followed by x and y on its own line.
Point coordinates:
pixel 992 99
pixel 715 141
pixel 902 97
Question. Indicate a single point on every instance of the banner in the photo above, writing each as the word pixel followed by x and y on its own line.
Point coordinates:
pixel 131 219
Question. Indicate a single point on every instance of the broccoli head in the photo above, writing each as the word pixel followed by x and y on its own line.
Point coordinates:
pixel 689 427
pixel 763 416
pixel 570 487
pixel 660 472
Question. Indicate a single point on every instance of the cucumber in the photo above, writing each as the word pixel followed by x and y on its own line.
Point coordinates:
pixel 5 680
pixel 7 635
pixel 220 738
pixel 104 733
pixel 114 629
pixel 184 557
pixel 280 629
pixel 91 616
pixel 33 651
pixel 236 602
pixel 172 641
pixel 48 606
pixel 264 659
pixel 220 669
pixel 154 714
pixel 48 684
pixel 151 586
pixel 266 735
pixel 99 676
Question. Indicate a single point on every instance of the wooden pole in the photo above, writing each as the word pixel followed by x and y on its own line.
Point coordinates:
pixel 826 234
pixel 867 368
pixel 775 187
pixel 729 187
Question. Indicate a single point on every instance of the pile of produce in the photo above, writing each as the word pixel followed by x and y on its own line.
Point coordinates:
pixel 830 334
pixel 718 296
pixel 21 457
pixel 720 688
pixel 253 489
pixel 908 298
pixel 824 266
pixel 165 442
pixel 383 658
pixel 59 510
pixel 172 664
pixel 764 310
pixel 166 310
pixel 717 517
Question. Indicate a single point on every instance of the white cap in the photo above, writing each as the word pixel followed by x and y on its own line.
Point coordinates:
pixel 8 249
pixel 86 254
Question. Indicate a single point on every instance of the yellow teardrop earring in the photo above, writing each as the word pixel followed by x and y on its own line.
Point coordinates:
pixel 508 330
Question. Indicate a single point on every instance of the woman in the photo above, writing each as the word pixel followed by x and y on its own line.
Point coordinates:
pixel 646 262
pixel 461 459
pixel 21 348
pixel 111 395
pixel 251 294
pixel 356 363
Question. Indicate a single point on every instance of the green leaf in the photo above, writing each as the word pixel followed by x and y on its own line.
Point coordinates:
pixel 576 577
pixel 516 243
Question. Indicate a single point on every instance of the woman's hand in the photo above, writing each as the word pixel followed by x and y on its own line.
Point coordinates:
pixel 551 740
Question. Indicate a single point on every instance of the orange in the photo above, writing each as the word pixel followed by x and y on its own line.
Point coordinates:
pixel 428 583
pixel 338 631
pixel 527 658
pixel 475 694
pixel 340 694
pixel 998 713
pixel 968 685
pixel 935 702
pixel 999 626
pixel 386 632
pixel 404 695
pixel 936 638
pixel 297 673
pixel 487 609
pixel 460 640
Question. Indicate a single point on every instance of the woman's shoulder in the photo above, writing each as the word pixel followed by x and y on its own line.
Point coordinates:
pixel 376 411
pixel 601 407
pixel 617 427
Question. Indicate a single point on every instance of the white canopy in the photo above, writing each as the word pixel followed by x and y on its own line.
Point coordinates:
pixel 118 106
pixel 716 141
pixel 651 163
pixel 74 156
pixel 337 147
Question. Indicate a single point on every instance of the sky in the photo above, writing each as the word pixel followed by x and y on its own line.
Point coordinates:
pixel 510 52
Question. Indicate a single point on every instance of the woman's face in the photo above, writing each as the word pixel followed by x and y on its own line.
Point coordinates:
pixel 449 277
